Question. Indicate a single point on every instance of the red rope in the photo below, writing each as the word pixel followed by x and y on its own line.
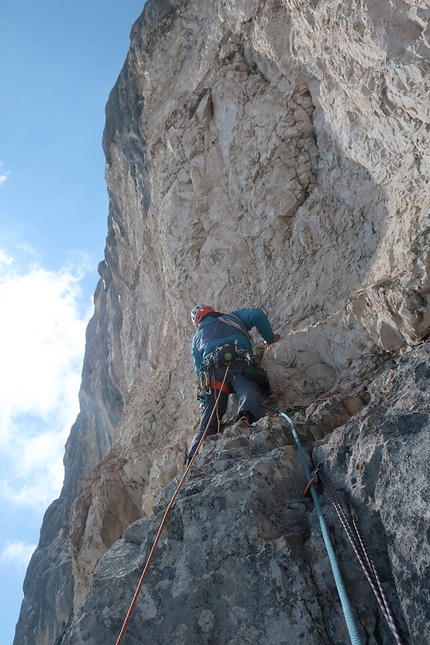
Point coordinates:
pixel 365 559
pixel 163 521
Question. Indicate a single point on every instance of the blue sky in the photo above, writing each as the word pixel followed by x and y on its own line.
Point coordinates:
pixel 58 63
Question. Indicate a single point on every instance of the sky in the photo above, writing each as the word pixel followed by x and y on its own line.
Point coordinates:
pixel 58 63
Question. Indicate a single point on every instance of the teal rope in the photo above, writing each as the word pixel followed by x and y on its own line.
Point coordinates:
pixel 347 611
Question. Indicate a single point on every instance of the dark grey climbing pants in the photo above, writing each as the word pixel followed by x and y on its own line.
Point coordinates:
pixel 248 398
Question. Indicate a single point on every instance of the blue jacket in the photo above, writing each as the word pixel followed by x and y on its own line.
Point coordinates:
pixel 212 332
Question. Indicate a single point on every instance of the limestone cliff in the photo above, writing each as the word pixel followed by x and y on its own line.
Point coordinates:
pixel 269 153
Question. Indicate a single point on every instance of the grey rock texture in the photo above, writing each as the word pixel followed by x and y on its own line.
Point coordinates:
pixel 382 460
pixel 241 559
pixel 268 153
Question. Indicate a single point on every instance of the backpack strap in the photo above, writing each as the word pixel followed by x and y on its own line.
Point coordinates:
pixel 238 325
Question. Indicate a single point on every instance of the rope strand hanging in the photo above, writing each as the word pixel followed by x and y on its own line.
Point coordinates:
pixel 359 544
pixel 350 621
pixel 164 520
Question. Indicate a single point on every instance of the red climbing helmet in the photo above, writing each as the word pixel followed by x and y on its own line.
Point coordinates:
pixel 198 312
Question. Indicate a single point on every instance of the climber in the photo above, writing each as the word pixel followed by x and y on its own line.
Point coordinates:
pixel 223 339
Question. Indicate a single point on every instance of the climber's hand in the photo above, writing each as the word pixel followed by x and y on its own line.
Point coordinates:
pixel 276 337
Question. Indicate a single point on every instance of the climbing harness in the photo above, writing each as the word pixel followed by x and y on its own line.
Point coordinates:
pixel 346 606
pixel 217 385
pixel 221 356
pixel 165 516
pixel 229 353
pixel 359 544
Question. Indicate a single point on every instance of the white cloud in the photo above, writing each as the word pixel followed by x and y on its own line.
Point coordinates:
pixel 3 175
pixel 42 336
pixel 5 259
pixel 17 553
pixel 27 248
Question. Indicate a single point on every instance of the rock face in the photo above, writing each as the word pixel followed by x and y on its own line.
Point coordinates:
pixel 238 552
pixel 381 458
pixel 269 153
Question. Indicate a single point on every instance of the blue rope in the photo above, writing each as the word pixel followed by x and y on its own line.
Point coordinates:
pixel 347 611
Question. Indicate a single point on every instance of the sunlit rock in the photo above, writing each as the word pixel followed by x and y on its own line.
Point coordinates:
pixel 270 154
